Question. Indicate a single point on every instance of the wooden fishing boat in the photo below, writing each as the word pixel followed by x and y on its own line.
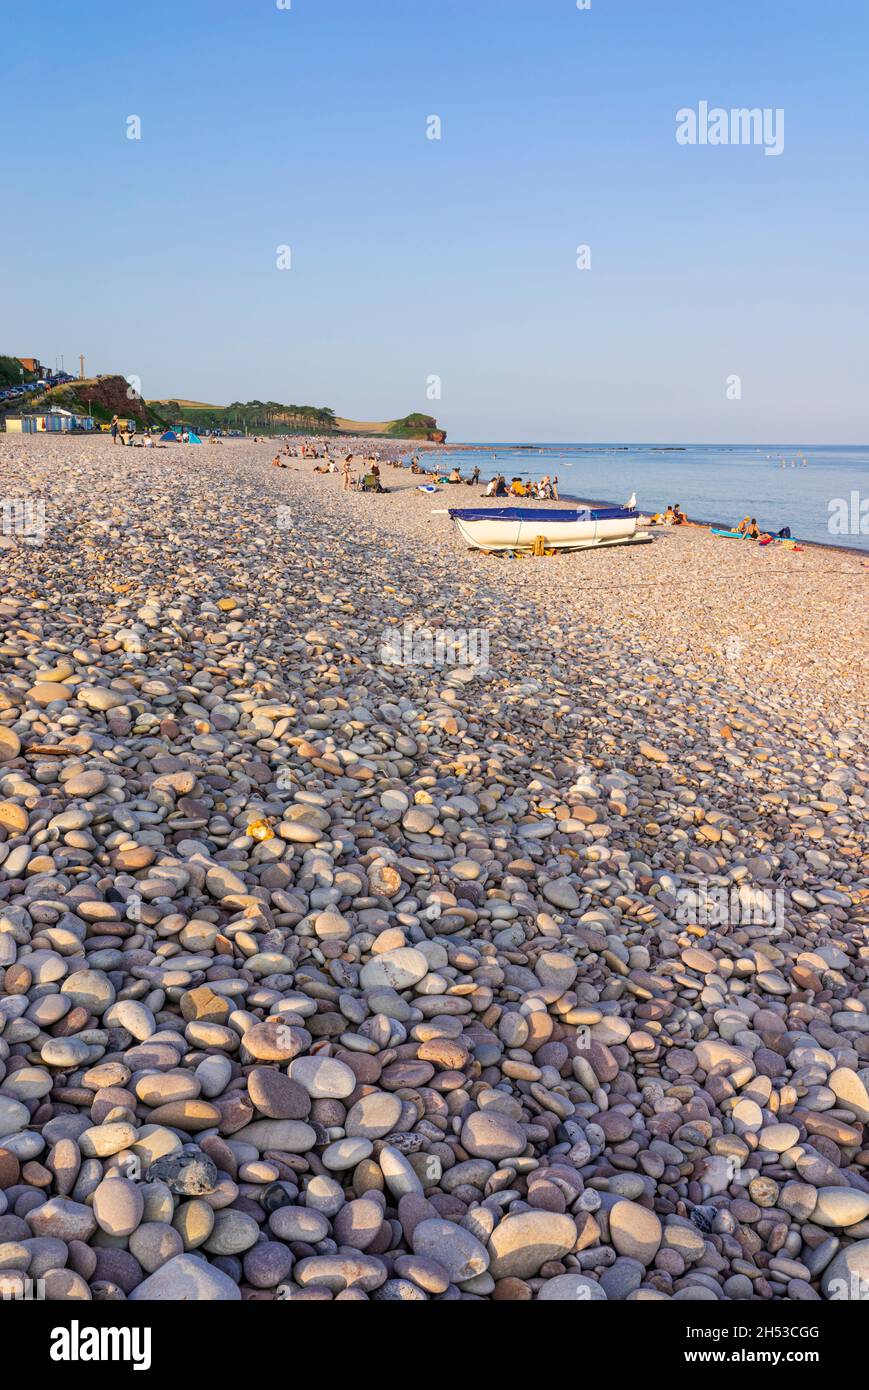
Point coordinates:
pixel 562 528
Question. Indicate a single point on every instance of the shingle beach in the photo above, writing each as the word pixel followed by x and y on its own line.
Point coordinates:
pixel 330 973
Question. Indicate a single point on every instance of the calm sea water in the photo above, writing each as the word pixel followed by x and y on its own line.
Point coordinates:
pixel 781 485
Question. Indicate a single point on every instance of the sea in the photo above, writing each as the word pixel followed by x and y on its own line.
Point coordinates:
pixel 820 492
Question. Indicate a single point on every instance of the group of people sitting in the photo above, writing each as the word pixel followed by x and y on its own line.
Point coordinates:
pixel 368 480
pixel 673 516
pixel 435 476
pixel 748 527
pixel 545 490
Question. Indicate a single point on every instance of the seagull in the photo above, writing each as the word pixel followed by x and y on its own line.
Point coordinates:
pixel 631 502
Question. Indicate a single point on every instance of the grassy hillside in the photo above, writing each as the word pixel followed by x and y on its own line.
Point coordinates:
pixel 271 417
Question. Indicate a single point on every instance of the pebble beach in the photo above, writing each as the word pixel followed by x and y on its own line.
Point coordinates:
pixel 330 976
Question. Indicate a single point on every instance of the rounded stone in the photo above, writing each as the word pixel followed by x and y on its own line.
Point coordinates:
pixel 91 989
pixel 358 1223
pixel 323 1077
pixel 635 1231
pixel 840 1206
pixel 10 744
pixel 520 1244
pixel 101 1141
pixel 118 1206
pixel 233 1232
pixel 273 1042
pixel 187 1279
pixel 153 1243
pixel 374 1115
pixel 778 1138
pixel 299 1223
pixel 276 1096
pixel 571 1288
pixel 457 1250
pixel 847 1275
pixel 194 1222
pixel 491 1134
pixel 399 969
pixel 63 1218
pixel 267 1264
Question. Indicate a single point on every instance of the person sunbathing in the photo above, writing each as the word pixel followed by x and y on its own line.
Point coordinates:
pixel 744 525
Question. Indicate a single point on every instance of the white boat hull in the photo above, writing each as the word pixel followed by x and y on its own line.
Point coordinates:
pixel 560 529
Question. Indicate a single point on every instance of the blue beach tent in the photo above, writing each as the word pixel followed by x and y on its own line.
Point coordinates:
pixel 170 437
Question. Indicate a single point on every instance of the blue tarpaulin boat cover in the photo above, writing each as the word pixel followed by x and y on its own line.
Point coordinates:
pixel 540 513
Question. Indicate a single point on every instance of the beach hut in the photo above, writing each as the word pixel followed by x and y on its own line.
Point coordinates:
pixel 170 437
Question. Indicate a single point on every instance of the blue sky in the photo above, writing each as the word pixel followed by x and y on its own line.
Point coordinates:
pixel 414 258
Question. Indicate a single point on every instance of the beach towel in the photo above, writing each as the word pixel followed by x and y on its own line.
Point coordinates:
pixel 427 487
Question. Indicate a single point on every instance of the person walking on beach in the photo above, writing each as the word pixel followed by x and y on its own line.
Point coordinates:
pixel 116 429
pixel 346 475
pixel 554 487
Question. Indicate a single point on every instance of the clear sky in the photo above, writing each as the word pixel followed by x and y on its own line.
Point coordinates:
pixel 305 127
